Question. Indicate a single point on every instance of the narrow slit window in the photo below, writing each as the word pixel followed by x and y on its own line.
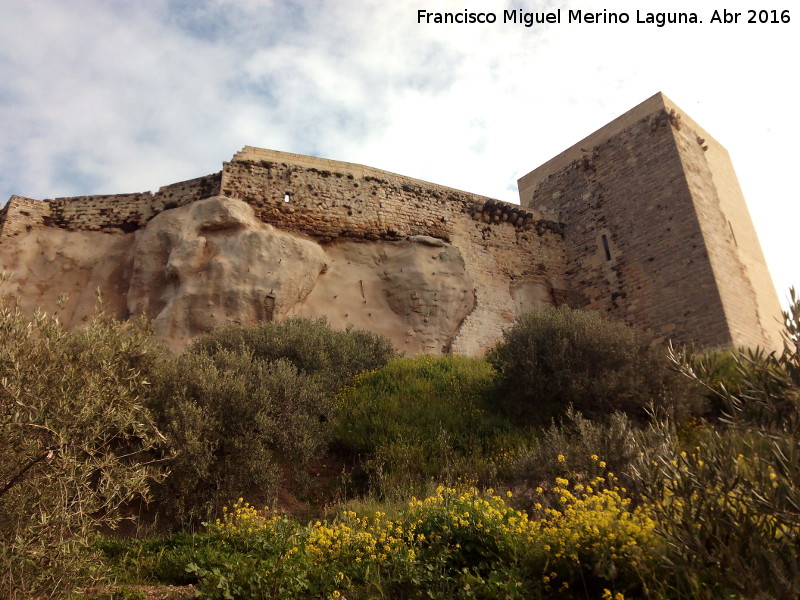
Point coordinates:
pixel 606 248
pixel 733 235
pixel 287 197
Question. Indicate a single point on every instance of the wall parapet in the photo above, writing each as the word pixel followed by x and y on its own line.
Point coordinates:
pixel 329 199
pixel 21 214
pixel 110 212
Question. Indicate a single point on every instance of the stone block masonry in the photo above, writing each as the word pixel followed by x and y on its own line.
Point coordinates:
pixel 21 215
pixel 113 212
pixel 329 199
pixel 657 232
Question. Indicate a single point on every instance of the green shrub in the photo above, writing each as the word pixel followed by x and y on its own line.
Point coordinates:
pixel 161 560
pixel 75 439
pixel 455 543
pixel 722 373
pixel 420 419
pixel 243 404
pixel 232 421
pixel 559 357
pixel 311 346
pixel 730 504
pixel 579 449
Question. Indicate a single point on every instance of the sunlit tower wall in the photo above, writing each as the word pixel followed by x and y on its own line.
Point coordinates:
pixel 657 231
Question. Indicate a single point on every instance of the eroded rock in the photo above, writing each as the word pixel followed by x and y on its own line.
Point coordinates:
pixel 213 262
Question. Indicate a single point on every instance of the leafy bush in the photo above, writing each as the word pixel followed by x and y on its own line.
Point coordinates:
pixel 722 373
pixel 421 418
pixel 232 420
pixel 456 543
pixel 311 346
pixel 75 438
pixel 245 403
pixel 579 449
pixel 560 357
pixel 730 505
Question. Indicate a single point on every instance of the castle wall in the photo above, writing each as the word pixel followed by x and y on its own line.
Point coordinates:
pixel 127 212
pixel 113 212
pixel 98 213
pixel 329 199
pixel 186 192
pixel 515 258
pixel 21 215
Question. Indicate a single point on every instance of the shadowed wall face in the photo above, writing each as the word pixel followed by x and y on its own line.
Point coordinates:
pixel 657 232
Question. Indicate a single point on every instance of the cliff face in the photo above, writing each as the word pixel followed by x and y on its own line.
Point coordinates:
pixel 213 261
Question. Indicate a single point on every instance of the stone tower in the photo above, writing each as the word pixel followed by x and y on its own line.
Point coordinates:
pixel 657 232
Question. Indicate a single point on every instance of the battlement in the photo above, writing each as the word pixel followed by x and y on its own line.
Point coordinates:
pixel 322 198
pixel 329 199
pixel 111 212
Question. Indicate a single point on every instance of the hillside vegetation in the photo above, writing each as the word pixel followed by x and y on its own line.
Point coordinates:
pixel 579 459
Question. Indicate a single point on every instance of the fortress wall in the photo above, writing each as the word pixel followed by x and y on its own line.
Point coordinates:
pixel 515 263
pixel 186 192
pixel 21 215
pixel 97 213
pixel 329 199
pixel 127 212
pixel 632 188
pixel 748 295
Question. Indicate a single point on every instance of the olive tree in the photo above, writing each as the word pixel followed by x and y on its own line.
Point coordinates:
pixel 75 439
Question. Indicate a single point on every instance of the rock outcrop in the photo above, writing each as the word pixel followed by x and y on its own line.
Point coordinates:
pixel 211 262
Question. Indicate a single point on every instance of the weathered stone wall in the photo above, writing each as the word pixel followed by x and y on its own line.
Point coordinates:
pixel 648 237
pixel 751 306
pixel 127 212
pixel 186 192
pixel 21 215
pixel 329 199
pixel 114 212
pixel 514 257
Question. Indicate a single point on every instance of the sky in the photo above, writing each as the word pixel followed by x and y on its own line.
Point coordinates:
pixel 107 96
